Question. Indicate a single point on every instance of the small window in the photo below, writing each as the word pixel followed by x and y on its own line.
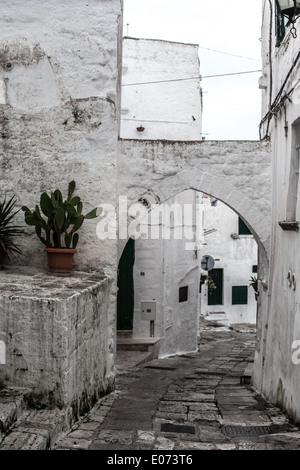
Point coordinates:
pixel 183 294
pixel 254 268
pixel 243 229
pixel 280 24
pixel 239 295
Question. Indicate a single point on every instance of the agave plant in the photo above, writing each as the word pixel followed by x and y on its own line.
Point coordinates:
pixel 253 282
pixel 57 217
pixel 9 232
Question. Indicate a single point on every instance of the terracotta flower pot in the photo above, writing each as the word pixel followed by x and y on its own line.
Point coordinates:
pixel 60 259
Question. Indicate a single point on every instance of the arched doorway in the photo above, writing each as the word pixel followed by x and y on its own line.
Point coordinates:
pixel 125 284
pixel 170 278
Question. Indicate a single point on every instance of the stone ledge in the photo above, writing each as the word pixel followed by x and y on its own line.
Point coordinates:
pixel 28 281
pixel 290 226
pixel 57 337
pixel 36 430
pixel 13 403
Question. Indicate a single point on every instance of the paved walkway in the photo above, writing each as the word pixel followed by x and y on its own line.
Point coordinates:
pixel 191 402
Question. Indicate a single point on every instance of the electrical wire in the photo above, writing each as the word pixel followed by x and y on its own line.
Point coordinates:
pixel 228 53
pixel 200 77
pixel 280 98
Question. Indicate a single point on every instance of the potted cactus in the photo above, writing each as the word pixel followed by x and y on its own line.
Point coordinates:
pixel 56 223
pixel 8 232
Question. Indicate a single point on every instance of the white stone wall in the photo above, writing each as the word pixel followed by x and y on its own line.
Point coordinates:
pixel 237 173
pixel 275 373
pixel 167 108
pixel 236 256
pixel 60 70
pixel 161 267
pixel 57 334
pixel 59 78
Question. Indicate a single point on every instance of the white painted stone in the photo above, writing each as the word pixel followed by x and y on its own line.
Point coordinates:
pixel 275 374
pixel 32 87
pixel 57 336
pixel 170 110
pixel 167 266
pixel 235 256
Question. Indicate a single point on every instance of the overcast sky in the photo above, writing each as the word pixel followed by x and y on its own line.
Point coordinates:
pixel 232 106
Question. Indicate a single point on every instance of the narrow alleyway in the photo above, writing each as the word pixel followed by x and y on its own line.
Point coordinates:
pixel 192 402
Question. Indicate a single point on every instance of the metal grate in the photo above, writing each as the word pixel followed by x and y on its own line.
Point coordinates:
pixel 177 428
pixel 247 430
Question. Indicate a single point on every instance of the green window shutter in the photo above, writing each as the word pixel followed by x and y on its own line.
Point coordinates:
pixel 280 22
pixel 239 295
pixel 125 297
pixel 243 229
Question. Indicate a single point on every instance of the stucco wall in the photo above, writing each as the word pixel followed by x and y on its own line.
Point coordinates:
pixel 235 256
pixel 59 78
pixel 275 373
pixel 166 265
pixel 60 65
pixel 166 104
pixel 237 173
pixel 56 333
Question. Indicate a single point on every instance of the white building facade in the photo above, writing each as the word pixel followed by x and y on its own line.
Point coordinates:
pixel 161 92
pixel 227 239
pixel 161 99
pixel 277 371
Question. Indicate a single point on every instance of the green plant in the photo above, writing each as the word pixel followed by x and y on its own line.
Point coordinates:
pixel 8 232
pixel 253 282
pixel 209 281
pixel 63 218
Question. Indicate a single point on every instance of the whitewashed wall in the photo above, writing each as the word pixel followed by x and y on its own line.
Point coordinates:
pixel 59 81
pixel 236 256
pixel 169 110
pixel 60 85
pixel 167 265
pixel 276 374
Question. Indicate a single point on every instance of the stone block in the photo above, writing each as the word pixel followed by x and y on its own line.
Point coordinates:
pixel 57 335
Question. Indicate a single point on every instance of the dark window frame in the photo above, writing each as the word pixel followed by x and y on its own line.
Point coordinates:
pixel 183 294
pixel 239 295
pixel 243 228
pixel 280 23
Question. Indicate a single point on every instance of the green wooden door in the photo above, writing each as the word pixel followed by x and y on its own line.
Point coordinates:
pixel 125 298
pixel 215 297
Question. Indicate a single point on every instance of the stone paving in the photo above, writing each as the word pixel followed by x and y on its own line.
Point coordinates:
pixel 189 402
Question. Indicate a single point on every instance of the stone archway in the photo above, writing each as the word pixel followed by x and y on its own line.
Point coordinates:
pixel 236 173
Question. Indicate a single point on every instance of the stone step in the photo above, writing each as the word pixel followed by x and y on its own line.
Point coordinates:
pixel 36 430
pixel 146 349
pixel 13 403
pixel 136 344
pixel 124 334
pixel 247 375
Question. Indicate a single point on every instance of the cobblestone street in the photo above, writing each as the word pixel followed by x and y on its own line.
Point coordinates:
pixel 191 402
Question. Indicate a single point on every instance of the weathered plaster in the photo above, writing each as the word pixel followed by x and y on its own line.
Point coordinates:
pixel 57 337
pixel 237 173
pixel 166 105
pixel 235 255
pixel 166 265
pixel 275 373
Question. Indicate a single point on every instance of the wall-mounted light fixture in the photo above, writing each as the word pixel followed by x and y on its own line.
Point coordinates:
pixel 140 129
